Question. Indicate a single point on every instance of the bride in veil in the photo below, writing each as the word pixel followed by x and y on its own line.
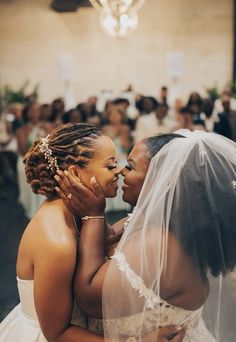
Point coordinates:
pixel 182 236
pixel 174 263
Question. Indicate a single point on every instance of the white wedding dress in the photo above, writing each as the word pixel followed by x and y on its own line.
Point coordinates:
pixel 158 313
pixel 21 324
pixel 169 315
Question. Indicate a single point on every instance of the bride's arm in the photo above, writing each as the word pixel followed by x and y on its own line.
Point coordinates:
pixel 92 267
pixel 91 250
pixel 92 263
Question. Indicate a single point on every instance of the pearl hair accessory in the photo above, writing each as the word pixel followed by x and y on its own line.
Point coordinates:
pixel 234 184
pixel 45 149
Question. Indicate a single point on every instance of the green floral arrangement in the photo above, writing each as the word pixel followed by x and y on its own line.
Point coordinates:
pixel 213 92
pixel 21 95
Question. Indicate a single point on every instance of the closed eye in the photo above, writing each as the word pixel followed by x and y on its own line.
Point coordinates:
pixel 112 167
pixel 128 167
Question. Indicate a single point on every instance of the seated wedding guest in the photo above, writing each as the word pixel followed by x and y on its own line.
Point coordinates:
pixel 107 108
pixel 153 123
pixel 89 112
pixel 92 101
pixel 129 112
pixel 218 105
pixel 57 111
pixel 195 103
pixel 45 112
pixel 45 115
pixel 115 120
pixel 226 124
pixel 84 110
pixel 207 110
pixel 148 105
pixel 165 124
pixel 72 115
pixel 94 116
pixel 121 104
pixel 186 120
pixel 31 130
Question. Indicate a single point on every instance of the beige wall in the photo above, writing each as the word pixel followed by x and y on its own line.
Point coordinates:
pixel 32 37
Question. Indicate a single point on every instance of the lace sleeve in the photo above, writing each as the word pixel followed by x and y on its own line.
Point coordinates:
pixel 135 281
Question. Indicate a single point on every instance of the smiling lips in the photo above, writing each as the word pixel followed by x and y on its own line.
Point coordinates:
pixel 125 186
pixel 115 182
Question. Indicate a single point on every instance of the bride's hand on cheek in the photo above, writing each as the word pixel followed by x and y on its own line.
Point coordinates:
pixel 80 200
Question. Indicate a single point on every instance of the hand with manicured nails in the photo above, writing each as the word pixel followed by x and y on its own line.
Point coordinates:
pixel 82 201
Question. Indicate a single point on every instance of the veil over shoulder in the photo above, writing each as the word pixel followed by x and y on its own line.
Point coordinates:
pixel 183 230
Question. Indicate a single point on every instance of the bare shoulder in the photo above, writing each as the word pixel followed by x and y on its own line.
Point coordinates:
pixel 50 229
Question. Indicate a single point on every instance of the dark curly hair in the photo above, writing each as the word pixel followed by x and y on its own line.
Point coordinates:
pixel 204 214
pixel 156 142
pixel 71 144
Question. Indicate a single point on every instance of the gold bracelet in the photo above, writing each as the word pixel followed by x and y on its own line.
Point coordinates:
pixel 85 218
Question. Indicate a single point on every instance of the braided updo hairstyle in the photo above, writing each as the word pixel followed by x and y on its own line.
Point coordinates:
pixel 71 144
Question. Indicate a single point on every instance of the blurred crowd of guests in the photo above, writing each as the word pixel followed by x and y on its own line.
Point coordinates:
pixel 127 119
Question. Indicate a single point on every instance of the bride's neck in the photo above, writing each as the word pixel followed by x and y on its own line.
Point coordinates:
pixel 56 202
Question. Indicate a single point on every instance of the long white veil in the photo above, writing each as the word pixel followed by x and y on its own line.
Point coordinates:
pixel 183 231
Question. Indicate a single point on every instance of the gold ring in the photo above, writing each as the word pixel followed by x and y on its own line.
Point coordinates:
pixel 69 196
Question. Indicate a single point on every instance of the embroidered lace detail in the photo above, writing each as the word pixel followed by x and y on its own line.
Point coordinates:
pixel 135 281
pixel 156 315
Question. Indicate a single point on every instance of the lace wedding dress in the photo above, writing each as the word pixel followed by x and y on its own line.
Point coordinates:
pixel 168 315
pixel 159 313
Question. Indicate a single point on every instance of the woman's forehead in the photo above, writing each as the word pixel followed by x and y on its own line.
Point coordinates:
pixel 105 146
pixel 139 151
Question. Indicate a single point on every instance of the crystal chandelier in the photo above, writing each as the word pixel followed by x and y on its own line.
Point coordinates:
pixel 118 18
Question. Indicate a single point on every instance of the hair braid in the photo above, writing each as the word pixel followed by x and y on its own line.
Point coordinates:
pixel 71 144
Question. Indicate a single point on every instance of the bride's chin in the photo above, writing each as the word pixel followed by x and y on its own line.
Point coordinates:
pixel 112 193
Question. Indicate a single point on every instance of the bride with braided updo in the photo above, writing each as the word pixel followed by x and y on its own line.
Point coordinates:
pixel 48 249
